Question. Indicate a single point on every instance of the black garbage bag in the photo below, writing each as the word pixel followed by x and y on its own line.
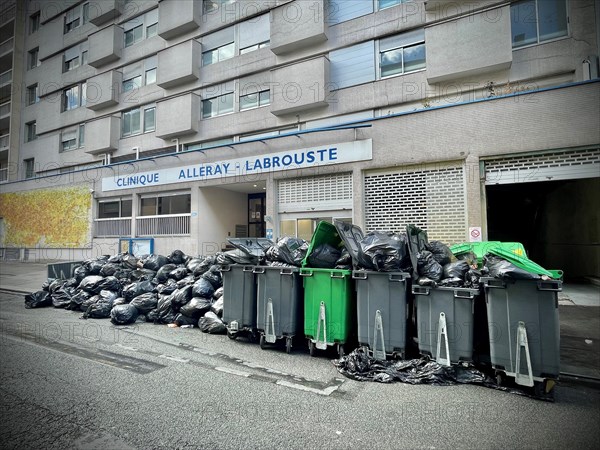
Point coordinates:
pixel 119 301
pixel 324 256
pixel 183 320
pixel 428 267
pixel 109 284
pixel 193 264
pixel 500 268
pixel 236 256
pixel 55 285
pixel 213 275
pixel 123 274
pixel 196 307
pixel 473 276
pixel 218 293
pixel 217 307
pixel 386 251
pixel 46 284
pixel 152 316
pixel 178 273
pixel 180 297
pixel 441 252
pixel 155 262
pixel 168 287
pixel 142 275
pixel 99 310
pixel 190 279
pixel 109 269
pixel 138 288
pixel 145 302
pixel 203 288
pixel 205 265
pixel 164 310
pixel 452 282
pixel 91 284
pixel 424 281
pixel 61 298
pixel 163 273
pixel 89 302
pixel 212 324
pixel 71 282
pixel 77 299
pixel 81 272
pixel 94 266
pixel 116 259
pixel 456 269
pixel 123 314
pixel 108 296
pixel 289 250
pixel 177 257
pixel 129 261
pixel 38 299
pixel 344 261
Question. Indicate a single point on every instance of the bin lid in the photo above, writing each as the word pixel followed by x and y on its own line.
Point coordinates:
pixel 416 240
pixel 352 235
pixel 524 263
pixel 251 246
pixel 479 249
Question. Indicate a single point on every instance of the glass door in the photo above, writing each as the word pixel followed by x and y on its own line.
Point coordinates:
pixel 256 215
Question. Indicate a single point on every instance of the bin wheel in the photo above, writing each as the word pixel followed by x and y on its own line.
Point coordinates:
pixel 288 345
pixel 262 342
pixel 341 350
pixel 231 335
pixel 312 350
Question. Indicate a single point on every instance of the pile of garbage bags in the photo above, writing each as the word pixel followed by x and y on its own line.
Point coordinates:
pixel 176 290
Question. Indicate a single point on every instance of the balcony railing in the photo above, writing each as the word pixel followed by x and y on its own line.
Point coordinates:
pixel 4 109
pixel 113 227
pixel 171 224
pixel 6 46
pixel 6 77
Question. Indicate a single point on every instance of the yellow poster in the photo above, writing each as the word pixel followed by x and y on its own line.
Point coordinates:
pixel 46 217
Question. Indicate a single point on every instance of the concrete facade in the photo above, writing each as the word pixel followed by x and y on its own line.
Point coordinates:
pixel 218 94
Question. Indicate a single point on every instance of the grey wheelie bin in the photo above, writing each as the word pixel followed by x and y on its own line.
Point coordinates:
pixel 524 330
pixel 445 323
pixel 279 304
pixel 381 300
pixel 239 289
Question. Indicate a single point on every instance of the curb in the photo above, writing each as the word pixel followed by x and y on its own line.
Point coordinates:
pixel 14 291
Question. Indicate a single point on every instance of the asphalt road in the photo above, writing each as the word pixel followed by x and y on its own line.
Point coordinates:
pixel 70 383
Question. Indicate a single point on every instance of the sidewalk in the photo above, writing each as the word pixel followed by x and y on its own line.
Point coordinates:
pixel 579 311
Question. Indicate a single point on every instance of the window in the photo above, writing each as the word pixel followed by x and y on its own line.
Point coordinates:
pixel 138 119
pixel 142 27
pixel 84 57
pixel 72 138
pixel 34 22
pixel 207 144
pixel 343 10
pixel 30 134
pixel 75 17
pixel 389 3
pixel 139 74
pixel 255 100
pixel 32 94
pixel 352 65
pixel 217 106
pixel 32 58
pixel 74 97
pixel 71 64
pixel 114 208
pixel 212 5
pixel 175 203
pixel 75 56
pixel 218 54
pixel 149 119
pixel 29 167
pixel 535 21
pixel 254 33
pixel 401 54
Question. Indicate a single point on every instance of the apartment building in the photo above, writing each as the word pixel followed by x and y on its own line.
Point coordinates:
pixel 193 121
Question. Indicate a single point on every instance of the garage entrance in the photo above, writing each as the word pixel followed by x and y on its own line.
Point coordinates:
pixel 555 217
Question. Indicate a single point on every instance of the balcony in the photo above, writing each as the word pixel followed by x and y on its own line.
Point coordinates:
pixel 112 227
pixel 4 116
pixel 3 175
pixel 163 225
pixel 4 142
pixel 6 54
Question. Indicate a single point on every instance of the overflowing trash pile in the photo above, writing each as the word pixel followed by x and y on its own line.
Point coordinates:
pixel 176 290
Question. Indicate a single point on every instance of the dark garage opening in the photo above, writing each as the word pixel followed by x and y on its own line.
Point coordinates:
pixel 557 222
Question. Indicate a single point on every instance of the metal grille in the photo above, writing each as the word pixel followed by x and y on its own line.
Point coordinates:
pixel 563 165
pixel 172 224
pixel 432 199
pixel 316 193
pixel 113 227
